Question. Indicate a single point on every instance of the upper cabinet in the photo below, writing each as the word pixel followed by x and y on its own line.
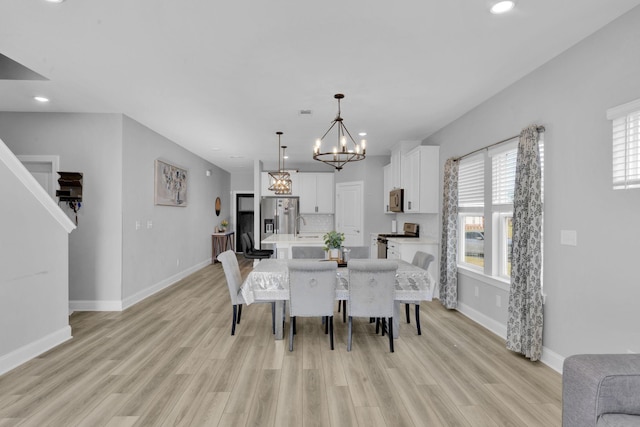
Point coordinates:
pixel 420 179
pixel 316 193
pixel 387 187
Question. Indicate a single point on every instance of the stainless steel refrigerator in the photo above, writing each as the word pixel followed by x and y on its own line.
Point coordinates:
pixel 278 216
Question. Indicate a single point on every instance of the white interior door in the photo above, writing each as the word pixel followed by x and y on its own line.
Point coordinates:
pixel 44 169
pixel 349 212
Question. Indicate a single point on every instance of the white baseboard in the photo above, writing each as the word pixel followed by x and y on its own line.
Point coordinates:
pixel 493 325
pixel 94 305
pixel 115 305
pixel 145 293
pixel 34 349
pixel 549 358
pixel 552 359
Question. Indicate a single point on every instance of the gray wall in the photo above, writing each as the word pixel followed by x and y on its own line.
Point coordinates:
pixel 33 275
pixel 592 289
pixel 242 182
pixel 91 144
pixel 179 238
pixel 110 263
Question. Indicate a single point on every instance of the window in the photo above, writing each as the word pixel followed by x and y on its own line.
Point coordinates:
pixel 471 211
pixel 626 145
pixel 475 238
pixel 503 181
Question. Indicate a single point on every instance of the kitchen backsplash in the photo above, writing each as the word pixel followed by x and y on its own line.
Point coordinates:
pixel 428 223
pixel 316 223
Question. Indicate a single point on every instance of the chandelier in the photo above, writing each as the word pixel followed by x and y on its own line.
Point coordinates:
pixel 280 179
pixel 346 150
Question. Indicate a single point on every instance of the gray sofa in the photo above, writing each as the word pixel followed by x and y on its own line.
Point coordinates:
pixel 601 390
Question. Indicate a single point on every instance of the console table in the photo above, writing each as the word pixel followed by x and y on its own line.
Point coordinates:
pixel 220 242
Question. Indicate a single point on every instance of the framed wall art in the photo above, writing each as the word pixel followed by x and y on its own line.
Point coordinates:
pixel 170 184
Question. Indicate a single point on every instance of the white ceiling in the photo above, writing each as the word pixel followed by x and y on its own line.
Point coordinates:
pixel 227 75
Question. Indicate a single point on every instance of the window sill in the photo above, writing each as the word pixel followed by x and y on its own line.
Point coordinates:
pixel 496 282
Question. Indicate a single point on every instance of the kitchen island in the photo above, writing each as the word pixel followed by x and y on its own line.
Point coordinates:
pixel 282 243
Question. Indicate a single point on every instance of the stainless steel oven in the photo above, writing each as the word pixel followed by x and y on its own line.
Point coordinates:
pixel 409 230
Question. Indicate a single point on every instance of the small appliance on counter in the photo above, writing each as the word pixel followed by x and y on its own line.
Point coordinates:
pixel 410 229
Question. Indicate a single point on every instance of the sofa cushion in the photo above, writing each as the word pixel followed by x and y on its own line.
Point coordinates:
pixel 618 420
pixel 595 384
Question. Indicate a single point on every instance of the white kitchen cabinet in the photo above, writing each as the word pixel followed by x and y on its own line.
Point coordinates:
pixel 406 248
pixel 387 187
pixel 317 192
pixel 395 172
pixel 420 177
pixel 373 245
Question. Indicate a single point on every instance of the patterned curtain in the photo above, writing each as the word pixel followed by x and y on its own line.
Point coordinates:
pixel 524 324
pixel 449 241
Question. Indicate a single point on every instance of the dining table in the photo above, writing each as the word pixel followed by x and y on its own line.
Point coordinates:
pixel 269 281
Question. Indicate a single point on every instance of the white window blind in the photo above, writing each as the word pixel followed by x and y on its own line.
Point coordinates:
pixel 626 151
pixel 471 182
pixel 503 177
pixel 626 145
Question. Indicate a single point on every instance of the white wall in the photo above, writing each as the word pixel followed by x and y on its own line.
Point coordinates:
pixel 592 289
pixel 91 144
pixel 370 172
pixel 176 234
pixel 34 273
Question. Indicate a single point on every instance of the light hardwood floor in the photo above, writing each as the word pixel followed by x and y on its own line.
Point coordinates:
pixel 170 360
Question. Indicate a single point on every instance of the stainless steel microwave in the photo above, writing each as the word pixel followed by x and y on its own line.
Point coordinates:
pixel 396 200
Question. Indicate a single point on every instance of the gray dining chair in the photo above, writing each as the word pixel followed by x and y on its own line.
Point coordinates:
pixel 312 291
pixel 307 252
pixel 234 282
pixel 422 260
pixel 355 252
pixel 372 285
pixel 358 252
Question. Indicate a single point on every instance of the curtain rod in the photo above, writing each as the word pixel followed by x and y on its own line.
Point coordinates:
pixel 540 129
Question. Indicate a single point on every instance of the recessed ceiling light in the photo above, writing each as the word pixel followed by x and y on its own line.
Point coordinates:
pixel 216 149
pixel 502 7
pixel 236 157
pixel 55 1
pixel 362 134
pixel 41 99
pixel 285 157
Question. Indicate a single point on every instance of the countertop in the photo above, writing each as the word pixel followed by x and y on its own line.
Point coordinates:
pixel 288 239
pixel 414 240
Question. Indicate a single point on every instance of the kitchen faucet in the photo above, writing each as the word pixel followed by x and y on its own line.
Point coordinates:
pixel 298 223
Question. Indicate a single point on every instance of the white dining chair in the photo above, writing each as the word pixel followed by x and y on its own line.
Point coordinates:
pixel 422 260
pixel 355 252
pixel 312 292
pixel 371 293
pixel 234 282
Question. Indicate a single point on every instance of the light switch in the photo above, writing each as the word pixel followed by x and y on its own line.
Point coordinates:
pixel 569 237
pixel 137 225
pixel 149 224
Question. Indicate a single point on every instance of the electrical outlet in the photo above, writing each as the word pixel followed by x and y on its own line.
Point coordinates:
pixel 178 262
pixel 498 301
pixel 476 292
